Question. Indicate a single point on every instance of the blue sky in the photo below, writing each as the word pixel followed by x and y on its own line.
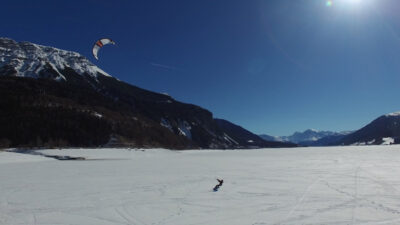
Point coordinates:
pixel 271 66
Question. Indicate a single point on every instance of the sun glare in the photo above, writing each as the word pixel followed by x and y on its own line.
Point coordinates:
pixel 353 3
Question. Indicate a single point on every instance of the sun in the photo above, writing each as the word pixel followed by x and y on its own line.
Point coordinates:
pixel 329 3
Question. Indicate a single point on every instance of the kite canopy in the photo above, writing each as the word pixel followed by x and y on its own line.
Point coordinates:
pixel 99 44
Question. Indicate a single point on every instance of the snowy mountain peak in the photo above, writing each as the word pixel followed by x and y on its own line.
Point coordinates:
pixel 25 59
pixel 393 114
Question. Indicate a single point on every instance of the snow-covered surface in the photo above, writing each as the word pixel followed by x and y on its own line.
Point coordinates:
pixel 8 157
pixel 29 59
pixel 359 144
pixel 318 186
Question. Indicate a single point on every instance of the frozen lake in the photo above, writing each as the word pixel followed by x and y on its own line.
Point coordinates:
pixel 335 185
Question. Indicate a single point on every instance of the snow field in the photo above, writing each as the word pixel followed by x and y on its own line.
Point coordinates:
pixel 332 185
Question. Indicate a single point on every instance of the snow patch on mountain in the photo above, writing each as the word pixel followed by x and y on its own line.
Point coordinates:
pixel 226 137
pixel 387 141
pixel 393 114
pixel 184 129
pixel 165 123
pixel 98 115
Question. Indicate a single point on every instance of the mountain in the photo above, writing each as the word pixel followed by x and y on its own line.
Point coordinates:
pixel 308 136
pixel 52 97
pixel 26 59
pixel 329 140
pixel 271 138
pixel 383 130
pixel 245 138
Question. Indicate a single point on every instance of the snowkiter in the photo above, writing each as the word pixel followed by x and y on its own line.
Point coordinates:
pixel 220 182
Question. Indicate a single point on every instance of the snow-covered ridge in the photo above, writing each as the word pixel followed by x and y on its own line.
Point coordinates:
pixel 393 114
pixel 25 59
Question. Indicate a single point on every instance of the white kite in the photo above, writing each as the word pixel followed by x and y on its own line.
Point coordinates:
pixel 99 44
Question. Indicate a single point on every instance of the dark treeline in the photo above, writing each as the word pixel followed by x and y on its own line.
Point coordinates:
pixel 85 111
pixel 47 113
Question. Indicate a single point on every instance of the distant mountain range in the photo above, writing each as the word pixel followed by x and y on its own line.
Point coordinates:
pixel 382 131
pixel 56 98
pixel 309 137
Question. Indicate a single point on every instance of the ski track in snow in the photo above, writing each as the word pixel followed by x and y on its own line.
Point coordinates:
pixel 310 186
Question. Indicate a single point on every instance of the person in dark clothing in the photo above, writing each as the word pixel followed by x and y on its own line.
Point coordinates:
pixel 220 182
